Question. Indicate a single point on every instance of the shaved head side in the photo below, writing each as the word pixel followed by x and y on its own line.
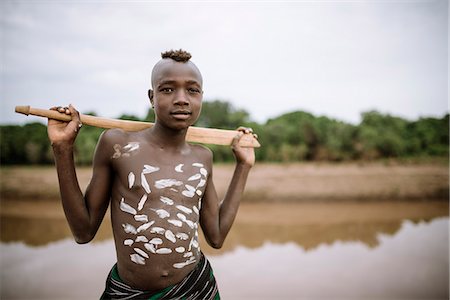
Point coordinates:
pixel 171 58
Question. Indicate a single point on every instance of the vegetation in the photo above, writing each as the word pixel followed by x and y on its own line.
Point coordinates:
pixel 295 136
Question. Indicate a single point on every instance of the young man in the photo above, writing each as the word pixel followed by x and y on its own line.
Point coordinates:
pixel 160 189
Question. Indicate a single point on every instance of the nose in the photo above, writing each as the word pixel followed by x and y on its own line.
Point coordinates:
pixel 181 98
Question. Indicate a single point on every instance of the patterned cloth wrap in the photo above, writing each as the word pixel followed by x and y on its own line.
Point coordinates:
pixel 198 284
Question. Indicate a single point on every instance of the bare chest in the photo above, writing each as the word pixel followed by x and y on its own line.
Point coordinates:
pixel 155 207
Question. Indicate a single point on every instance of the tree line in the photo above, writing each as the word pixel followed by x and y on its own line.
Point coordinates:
pixel 294 136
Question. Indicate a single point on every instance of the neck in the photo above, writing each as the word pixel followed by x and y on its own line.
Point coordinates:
pixel 167 137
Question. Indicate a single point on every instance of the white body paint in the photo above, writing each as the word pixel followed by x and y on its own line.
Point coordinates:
pixel 128 228
pixel 179 169
pixel 141 218
pixel 126 207
pixel 157 230
pixel 184 209
pixel 185 220
pixel 150 247
pixel 184 264
pixel 181 217
pixel 117 152
pixel 126 150
pixel 190 244
pixel 149 169
pixel 145 184
pixel 204 172
pixel 190 192
pixel 182 236
pixel 198 192
pixel 141 238
pixel 128 242
pixel 190 223
pixel 166 183
pixel 195 209
pixel 201 183
pixel 180 249
pixel 189 187
pixel 145 226
pixel 162 213
pixel 142 202
pixel 141 252
pixel 131 178
pixel 156 241
pixel 199 165
pixel 177 223
pixel 194 177
pixel 170 236
pixel 166 200
pixel 130 147
pixel 163 251
pixel 136 258
pixel 188 254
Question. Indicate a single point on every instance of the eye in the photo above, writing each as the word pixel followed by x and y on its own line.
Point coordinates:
pixel 194 91
pixel 166 90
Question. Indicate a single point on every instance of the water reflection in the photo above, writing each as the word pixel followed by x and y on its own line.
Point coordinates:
pixel 413 263
pixel 308 225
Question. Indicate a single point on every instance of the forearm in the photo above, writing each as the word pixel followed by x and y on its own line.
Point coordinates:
pixel 72 198
pixel 229 206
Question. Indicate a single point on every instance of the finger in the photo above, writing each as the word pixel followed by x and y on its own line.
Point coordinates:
pixel 246 130
pixel 75 116
pixel 236 139
pixel 64 110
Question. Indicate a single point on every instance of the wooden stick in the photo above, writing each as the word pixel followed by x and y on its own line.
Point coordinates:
pixel 194 134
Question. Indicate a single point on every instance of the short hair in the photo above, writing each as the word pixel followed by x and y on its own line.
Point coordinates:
pixel 177 55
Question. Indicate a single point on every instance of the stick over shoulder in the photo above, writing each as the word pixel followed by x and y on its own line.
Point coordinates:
pixel 194 134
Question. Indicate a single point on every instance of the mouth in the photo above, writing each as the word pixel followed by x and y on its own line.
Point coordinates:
pixel 181 114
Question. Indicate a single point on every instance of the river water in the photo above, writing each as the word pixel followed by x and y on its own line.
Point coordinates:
pixel 294 258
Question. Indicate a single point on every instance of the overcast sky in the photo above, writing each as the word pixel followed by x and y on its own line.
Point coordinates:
pixel 332 58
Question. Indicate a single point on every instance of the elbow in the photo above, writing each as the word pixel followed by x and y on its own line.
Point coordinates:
pixel 83 238
pixel 82 241
pixel 216 244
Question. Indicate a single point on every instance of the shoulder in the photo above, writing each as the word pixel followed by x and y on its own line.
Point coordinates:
pixel 112 142
pixel 116 136
pixel 112 137
pixel 202 152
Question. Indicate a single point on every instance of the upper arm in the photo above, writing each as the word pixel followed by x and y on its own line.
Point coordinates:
pixel 98 191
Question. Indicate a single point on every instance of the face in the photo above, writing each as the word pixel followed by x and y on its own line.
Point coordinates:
pixel 177 93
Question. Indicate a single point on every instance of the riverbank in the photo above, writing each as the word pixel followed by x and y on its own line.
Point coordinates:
pixel 298 182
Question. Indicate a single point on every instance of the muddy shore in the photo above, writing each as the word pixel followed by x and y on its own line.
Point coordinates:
pixel 299 182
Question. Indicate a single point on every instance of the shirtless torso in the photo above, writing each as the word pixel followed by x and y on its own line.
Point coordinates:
pixel 155 209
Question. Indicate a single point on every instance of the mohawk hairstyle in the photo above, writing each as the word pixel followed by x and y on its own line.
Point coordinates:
pixel 177 55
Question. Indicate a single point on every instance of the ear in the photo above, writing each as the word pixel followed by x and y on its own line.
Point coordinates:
pixel 150 96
